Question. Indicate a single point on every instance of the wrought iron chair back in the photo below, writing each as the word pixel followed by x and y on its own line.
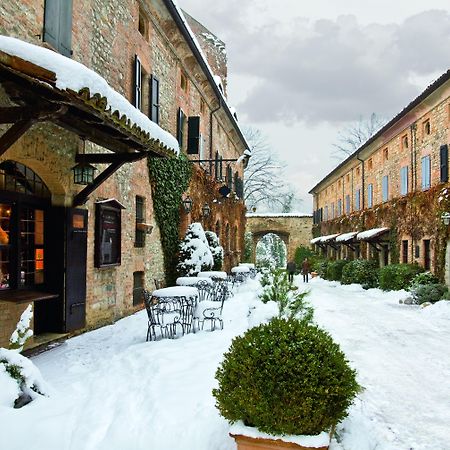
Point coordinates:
pixel 205 289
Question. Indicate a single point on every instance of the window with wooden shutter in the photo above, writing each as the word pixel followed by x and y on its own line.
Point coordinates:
pixel 58 25
pixel 444 163
pixel 370 195
pixel 385 188
pixel 181 119
pixel 404 180
pixel 154 99
pixel 137 83
pixel 426 172
pixel 193 135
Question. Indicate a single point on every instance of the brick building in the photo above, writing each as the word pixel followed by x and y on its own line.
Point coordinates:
pixel 82 256
pixel 396 185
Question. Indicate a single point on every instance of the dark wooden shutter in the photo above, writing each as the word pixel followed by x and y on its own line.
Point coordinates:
pixel 444 163
pixel 51 22
pixel 216 166
pixel 65 28
pixel 154 99
pixel 193 135
pixel 180 126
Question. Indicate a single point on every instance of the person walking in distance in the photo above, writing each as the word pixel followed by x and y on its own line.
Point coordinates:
pixel 291 268
pixel 306 268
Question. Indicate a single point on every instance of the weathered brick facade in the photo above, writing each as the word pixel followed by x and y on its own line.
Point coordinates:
pixel 106 37
pixel 397 154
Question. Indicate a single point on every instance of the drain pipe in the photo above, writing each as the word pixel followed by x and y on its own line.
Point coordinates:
pixel 362 182
pixel 211 115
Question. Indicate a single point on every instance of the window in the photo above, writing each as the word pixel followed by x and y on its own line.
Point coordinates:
pixel 183 81
pixel 339 184
pixel 339 207
pixel 405 252
pixel 370 195
pixel 426 127
pixel 108 233
pixel 358 199
pixel 138 287
pixel 426 172
pixel 358 172
pixel 326 212
pixel 347 204
pixel 139 240
pixel 154 99
pixel 385 188
pixel 137 99
pixel 348 178
pixel 332 211
pixel 404 180
pixel 370 164
pixel 443 156
pixel 143 24
pixel 426 254
pixel 193 147
pixel 58 25
pixel 385 154
pixel 181 120
pixel 405 143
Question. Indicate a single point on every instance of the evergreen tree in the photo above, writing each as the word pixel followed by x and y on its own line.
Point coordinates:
pixel 216 249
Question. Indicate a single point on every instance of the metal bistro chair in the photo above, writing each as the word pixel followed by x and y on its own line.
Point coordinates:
pixel 205 289
pixel 187 305
pixel 211 310
pixel 163 315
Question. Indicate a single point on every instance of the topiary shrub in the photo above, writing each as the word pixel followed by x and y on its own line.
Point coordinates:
pixel 398 276
pixel 423 278
pixel 361 271
pixel 216 249
pixel 334 270
pixel 429 293
pixel 321 267
pixel 285 377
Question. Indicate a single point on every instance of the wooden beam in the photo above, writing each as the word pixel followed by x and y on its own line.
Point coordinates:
pixel 109 158
pixel 14 114
pixel 82 196
pixel 14 133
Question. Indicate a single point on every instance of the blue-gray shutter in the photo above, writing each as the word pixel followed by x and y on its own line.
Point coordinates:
pixel 154 99
pixel 65 28
pixel 404 180
pixel 385 188
pixel 180 126
pixel 444 163
pixel 137 99
pixel 370 195
pixel 51 22
pixel 193 147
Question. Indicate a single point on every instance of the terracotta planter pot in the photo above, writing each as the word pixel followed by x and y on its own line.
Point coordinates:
pixel 249 443
pixel 313 274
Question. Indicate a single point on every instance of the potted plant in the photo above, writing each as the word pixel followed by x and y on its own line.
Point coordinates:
pixel 284 384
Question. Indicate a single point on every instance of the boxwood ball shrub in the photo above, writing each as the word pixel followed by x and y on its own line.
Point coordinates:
pixel 361 271
pixel 285 377
pixel 424 278
pixel 429 293
pixel 394 277
pixel 334 270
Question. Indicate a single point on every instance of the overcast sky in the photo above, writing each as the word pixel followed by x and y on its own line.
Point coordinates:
pixel 301 71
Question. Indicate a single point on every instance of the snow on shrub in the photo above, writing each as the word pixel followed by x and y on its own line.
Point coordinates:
pixel 394 277
pixel 360 271
pixel 23 330
pixel 423 278
pixel 285 377
pixel 195 255
pixel 216 249
pixel 20 380
pixel 432 293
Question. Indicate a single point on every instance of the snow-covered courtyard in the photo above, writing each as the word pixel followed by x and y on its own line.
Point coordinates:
pixel 109 389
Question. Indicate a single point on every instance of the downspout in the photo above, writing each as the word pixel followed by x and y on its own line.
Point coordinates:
pixel 362 181
pixel 211 114
pixel 413 129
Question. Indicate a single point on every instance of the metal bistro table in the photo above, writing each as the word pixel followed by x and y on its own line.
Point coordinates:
pixel 168 308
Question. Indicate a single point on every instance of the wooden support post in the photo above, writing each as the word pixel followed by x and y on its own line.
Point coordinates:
pixel 13 134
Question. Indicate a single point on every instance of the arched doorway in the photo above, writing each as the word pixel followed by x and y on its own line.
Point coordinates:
pixel 271 251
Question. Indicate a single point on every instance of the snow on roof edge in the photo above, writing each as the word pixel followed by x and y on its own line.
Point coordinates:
pixel 71 74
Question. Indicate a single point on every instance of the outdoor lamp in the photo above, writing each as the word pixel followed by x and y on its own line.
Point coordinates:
pixel 83 173
pixel 445 217
pixel 206 210
pixel 187 204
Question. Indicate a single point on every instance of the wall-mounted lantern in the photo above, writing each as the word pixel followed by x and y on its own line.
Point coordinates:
pixel 83 172
pixel 187 204
pixel 445 217
pixel 206 210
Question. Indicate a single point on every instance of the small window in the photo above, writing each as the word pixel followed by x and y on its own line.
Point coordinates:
pixel 183 82
pixel 370 164
pixel 427 127
pixel 405 142
pixel 347 178
pixel 143 24
pixel 358 172
pixel 405 246
pixel 138 287
pixel 386 154
pixel 140 219
pixel 108 234
pixel 339 184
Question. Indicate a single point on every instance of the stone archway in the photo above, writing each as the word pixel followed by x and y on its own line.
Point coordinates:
pixel 294 230
pixel 258 238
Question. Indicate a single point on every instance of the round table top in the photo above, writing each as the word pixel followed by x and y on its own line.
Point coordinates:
pixel 213 274
pixel 175 291
pixel 191 281
pixel 249 265
pixel 240 269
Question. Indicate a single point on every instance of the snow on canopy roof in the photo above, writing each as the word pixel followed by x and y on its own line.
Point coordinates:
pixel 327 238
pixel 279 215
pixel 346 236
pixel 372 233
pixel 75 76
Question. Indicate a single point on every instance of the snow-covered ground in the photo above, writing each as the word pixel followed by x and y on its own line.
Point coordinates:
pixel 112 390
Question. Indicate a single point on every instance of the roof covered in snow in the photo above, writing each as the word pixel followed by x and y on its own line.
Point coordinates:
pixel 299 215
pixel 74 77
pixel 371 234
pixel 346 237
pixel 323 239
